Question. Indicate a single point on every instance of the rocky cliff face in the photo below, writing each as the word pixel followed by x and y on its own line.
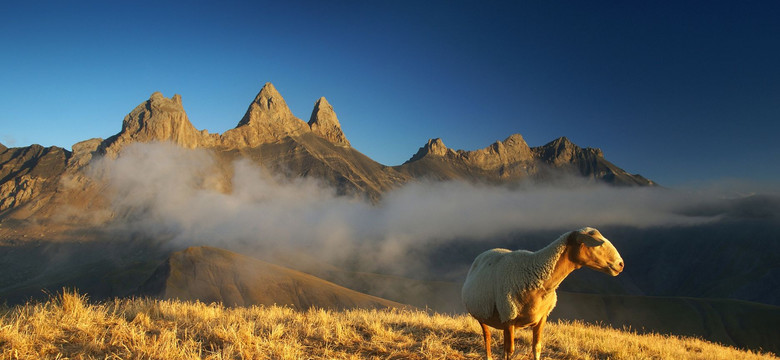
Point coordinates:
pixel 323 122
pixel 29 173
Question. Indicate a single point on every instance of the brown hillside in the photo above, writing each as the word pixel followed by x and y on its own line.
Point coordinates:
pixel 214 275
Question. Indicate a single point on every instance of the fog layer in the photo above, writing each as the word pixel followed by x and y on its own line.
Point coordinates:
pixel 189 198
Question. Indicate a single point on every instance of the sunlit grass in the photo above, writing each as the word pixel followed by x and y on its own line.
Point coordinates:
pixel 68 326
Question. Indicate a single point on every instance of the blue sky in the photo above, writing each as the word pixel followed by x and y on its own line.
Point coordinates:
pixel 680 92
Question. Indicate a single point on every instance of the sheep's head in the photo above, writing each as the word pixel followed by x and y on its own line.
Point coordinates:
pixel 591 249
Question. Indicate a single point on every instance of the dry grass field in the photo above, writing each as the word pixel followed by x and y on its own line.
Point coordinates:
pixel 69 327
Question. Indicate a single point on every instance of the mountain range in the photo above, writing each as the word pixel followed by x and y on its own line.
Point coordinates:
pixel 273 137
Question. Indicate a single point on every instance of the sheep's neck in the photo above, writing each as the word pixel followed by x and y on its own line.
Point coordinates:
pixel 562 269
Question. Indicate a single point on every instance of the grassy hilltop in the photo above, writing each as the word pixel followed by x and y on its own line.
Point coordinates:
pixel 69 327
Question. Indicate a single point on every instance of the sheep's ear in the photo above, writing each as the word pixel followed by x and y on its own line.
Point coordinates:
pixel 572 238
pixel 586 239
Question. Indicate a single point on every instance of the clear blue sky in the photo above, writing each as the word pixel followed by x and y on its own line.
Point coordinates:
pixel 678 91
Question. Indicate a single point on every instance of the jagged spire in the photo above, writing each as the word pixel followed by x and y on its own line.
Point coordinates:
pixel 323 122
pixel 268 106
pixel 267 120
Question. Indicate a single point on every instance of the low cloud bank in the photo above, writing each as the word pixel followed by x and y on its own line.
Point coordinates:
pixel 188 196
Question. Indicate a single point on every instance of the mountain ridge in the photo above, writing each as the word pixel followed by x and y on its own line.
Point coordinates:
pixel 270 134
pixel 268 119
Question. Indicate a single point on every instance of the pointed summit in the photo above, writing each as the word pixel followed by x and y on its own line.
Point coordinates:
pixel 267 120
pixel 323 122
pixel 269 90
pixel 268 102
pixel 558 151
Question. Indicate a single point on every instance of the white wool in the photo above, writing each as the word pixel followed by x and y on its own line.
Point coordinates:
pixel 499 278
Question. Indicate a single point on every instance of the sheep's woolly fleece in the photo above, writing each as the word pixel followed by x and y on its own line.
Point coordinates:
pixel 497 274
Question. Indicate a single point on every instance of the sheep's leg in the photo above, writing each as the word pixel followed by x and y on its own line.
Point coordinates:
pixel 509 341
pixel 537 340
pixel 486 335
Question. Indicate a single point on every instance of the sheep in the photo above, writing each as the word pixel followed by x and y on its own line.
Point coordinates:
pixel 509 290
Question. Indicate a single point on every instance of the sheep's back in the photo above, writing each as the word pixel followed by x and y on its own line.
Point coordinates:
pixel 494 280
pixel 482 282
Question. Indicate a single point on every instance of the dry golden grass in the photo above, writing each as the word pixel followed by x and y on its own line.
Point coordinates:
pixel 69 327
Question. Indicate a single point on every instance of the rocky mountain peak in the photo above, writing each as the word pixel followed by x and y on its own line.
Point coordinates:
pixel 513 149
pixel 323 122
pixel 267 106
pixel 267 120
pixel 156 119
pixel 562 150
pixel 433 147
pixel 436 147
pixel 500 154
pixel 515 140
pixel 562 142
